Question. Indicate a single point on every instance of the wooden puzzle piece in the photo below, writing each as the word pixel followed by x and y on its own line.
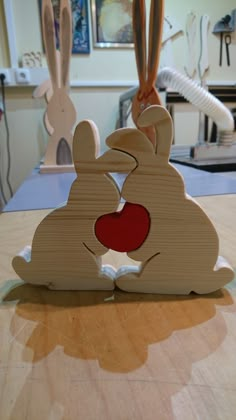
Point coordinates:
pixel 180 253
pixel 60 114
pixel 125 230
pixel 65 251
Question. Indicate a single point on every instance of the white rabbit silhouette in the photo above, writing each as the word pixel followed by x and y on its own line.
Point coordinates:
pixel 65 251
pixel 180 254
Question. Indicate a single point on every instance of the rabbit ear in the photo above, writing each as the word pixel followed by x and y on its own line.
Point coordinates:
pixel 155 38
pixel 131 141
pixel 86 143
pixel 139 33
pixel 115 161
pixel 160 118
pixel 58 61
pixel 49 41
pixel 65 40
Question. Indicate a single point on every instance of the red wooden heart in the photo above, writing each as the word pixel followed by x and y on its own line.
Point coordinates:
pixel 123 231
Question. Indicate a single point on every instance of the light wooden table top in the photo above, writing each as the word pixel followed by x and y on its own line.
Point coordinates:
pixel 105 356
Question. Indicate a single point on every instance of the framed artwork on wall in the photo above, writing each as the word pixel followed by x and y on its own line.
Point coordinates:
pixel 80 24
pixel 112 23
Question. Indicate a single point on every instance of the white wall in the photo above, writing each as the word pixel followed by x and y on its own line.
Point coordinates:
pixel 110 64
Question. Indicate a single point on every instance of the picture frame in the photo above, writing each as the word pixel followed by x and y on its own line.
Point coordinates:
pixel 80 25
pixel 112 23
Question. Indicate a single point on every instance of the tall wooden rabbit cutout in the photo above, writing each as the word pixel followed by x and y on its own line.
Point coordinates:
pixel 180 253
pixel 60 115
pixel 147 93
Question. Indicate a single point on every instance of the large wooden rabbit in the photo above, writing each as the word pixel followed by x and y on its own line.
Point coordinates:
pixel 60 114
pixel 180 253
pixel 65 251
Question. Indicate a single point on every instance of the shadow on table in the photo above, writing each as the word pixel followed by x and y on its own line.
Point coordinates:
pixel 114 328
pixel 141 353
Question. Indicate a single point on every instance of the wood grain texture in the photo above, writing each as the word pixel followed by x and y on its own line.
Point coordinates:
pixel 65 251
pixel 106 355
pixel 60 113
pixel 181 252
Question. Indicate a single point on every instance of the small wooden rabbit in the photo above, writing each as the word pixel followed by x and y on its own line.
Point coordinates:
pixel 180 253
pixel 65 251
pixel 60 114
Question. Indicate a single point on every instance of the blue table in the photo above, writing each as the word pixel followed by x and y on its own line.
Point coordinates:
pixel 46 191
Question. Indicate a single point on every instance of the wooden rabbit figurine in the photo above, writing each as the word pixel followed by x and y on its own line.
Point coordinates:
pixel 180 253
pixel 65 251
pixel 60 114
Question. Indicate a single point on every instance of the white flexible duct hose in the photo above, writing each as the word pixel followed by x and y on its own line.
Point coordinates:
pixel 202 99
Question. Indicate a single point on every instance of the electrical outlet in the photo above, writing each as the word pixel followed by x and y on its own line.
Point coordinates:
pixel 7 75
pixel 22 76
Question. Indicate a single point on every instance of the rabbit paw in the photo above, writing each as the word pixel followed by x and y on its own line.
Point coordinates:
pixel 132 279
pixel 29 272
